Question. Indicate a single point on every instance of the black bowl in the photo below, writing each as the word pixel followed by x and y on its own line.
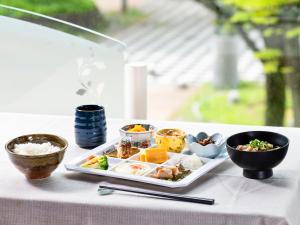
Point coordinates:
pixel 257 165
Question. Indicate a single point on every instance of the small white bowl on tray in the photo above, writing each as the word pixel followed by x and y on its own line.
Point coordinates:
pixel 139 139
pixel 209 164
pixel 211 150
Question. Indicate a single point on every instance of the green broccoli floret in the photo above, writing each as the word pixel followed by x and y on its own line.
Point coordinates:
pixel 103 162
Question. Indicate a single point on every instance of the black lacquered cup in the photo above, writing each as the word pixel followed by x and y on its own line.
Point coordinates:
pixel 90 126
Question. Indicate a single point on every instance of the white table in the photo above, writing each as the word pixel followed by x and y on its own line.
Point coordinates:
pixel 71 198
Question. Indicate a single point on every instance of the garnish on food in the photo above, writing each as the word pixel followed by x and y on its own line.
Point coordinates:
pixel 96 162
pixel 137 128
pixel 256 146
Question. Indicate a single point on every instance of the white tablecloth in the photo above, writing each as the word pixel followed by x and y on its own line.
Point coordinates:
pixel 71 198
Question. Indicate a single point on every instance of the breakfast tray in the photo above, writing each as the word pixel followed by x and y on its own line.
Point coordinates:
pixel 209 164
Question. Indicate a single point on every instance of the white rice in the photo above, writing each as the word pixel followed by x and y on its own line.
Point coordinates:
pixel 192 162
pixel 35 149
pixel 189 162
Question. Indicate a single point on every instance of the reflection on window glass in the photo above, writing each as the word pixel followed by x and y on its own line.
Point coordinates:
pixel 52 66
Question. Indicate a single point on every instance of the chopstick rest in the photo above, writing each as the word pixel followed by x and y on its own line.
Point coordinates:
pixel 105 191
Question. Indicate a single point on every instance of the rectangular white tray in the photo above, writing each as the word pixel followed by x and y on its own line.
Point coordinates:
pixel 74 165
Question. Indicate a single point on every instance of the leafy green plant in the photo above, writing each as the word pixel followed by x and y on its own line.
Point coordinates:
pixel 210 105
pixel 81 12
pixel 277 23
pixel 53 7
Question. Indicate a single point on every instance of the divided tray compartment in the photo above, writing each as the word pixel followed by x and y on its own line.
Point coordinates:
pixel 112 162
pixel 124 161
pixel 74 165
pixel 173 160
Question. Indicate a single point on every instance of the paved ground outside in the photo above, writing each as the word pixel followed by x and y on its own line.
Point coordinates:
pixel 164 100
pixel 178 41
pixel 115 5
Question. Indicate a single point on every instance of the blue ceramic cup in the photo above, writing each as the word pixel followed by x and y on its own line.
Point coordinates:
pixel 90 126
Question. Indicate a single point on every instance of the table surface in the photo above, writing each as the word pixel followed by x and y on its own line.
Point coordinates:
pixel 71 198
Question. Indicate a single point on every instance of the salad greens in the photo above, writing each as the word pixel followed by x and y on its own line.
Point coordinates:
pixel 183 173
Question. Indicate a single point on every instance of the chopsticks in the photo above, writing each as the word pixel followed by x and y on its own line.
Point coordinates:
pixel 184 198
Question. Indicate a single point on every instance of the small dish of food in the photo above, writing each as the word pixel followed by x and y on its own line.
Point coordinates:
pixel 122 150
pixel 125 149
pixel 171 139
pixel 189 162
pixel 36 155
pixel 111 151
pixel 257 152
pixel 96 162
pixel 155 155
pixel 171 173
pixel 135 168
pixel 99 162
pixel 206 146
pixel 177 168
pixel 140 135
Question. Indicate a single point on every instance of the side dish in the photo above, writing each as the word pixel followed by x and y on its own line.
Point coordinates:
pixel 96 162
pixel 125 149
pixel 257 145
pixel 132 168
pixel 170 132
pixel 154 155
pixel 137 128
pixel 191 162
pixel 172 173
pixel 111 152
pixel 205 145
pixel 182 167
pixel 206 141
pixel 171 139
pixel 140 135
